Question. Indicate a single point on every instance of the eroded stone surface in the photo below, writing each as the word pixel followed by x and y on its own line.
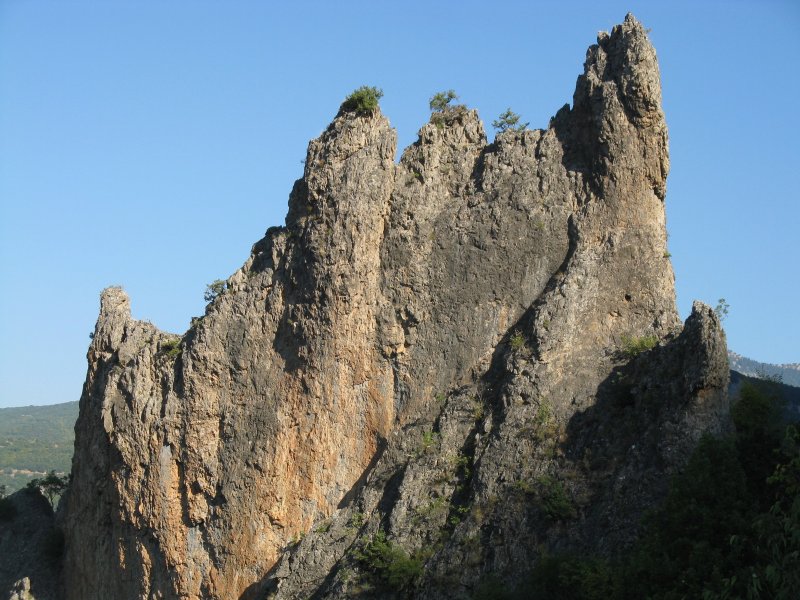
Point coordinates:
pixel 418 350
pixel 30 548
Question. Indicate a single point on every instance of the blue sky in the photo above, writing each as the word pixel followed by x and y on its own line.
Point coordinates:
pixel 150 144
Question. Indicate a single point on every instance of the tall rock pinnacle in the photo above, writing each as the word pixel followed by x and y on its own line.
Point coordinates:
pixel 417 340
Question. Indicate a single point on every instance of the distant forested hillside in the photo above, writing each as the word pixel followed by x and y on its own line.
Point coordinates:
pixel 35 440
pixel 788 374
pixel 787 396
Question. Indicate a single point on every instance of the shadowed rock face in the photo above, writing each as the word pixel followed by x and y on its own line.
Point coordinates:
pixel 422 341
pixel 30 547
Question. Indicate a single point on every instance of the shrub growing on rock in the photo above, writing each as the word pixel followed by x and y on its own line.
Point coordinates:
pixel 363 101
pixel 214 289
pixel 388 563
pixel 509 120
pixel 440 101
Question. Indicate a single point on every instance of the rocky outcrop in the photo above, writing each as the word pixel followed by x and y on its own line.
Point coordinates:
pixel 30 547
pixel 438 354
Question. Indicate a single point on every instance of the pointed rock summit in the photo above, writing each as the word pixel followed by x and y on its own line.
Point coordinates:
pixel 417 346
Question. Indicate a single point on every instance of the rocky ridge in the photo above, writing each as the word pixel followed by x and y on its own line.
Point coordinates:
pixel 787 373
pixel 472 356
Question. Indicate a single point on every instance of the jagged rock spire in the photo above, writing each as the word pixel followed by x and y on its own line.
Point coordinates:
pixel 449 300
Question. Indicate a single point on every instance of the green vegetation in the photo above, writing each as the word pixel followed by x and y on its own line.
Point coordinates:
pixel 323 527
pixel 729 527
pixel 363 101
pixel 545 425
pixel 298 537
pixel 387 564
pixel 516 341
pixel 356 520
pixel 721 309
pixel 35 440
pixel 553 498
pixel 633 346
pixel 429 440
pixel 51 485
pixel 171 348
pixel 509 120
pixel 478 410
pixel 437 507
pixel 443 109
pixel 440 101
pixel 214 289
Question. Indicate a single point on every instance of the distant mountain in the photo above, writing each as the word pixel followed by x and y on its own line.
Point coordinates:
pixel 790 395
pixel 35 440
pixel 788 373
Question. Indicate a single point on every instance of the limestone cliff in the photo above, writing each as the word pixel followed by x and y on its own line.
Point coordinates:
pixel 421 350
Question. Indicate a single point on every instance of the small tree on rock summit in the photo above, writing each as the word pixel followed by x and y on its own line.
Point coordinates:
pixel 363 101
pixel 440 101
pixel 509 120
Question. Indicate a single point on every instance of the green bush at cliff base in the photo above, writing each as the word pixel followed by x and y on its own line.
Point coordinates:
pixel 729 527
pixel 509 120
pixel 389 564
pixel 363 101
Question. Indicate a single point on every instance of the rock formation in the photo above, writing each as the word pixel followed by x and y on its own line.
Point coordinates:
pixel 30 546
pixel 441 353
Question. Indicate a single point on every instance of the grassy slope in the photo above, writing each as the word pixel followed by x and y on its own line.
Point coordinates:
pixel 37 439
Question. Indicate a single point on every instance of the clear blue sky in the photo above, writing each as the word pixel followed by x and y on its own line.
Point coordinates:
pixel 149 144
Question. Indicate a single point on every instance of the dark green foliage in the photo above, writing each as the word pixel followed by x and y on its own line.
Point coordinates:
pixel 686 546
pixel 363 101
pixel 444 112
pixel 757 417
pixel 51 485
pixel 754 412
pixel 729 527
pixel 553 499
pixel 778 530
pixel 633 346
pixel 171 348
pixel 214 289
pixel 440 101
pixel 721 309
pixel 509 120
pixel 569 577
pixel 388 564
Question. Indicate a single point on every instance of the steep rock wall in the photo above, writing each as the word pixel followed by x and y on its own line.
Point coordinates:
pixel 463 307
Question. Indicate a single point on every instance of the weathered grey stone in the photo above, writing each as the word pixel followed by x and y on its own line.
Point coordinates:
pixel 423 349
pixel 29 548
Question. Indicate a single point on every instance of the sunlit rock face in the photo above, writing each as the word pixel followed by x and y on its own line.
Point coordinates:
pixel 420 347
